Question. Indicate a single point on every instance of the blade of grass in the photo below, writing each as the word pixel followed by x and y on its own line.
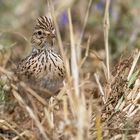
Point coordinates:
pixel 100 88
pixel 86 53
pixel 106 25
pixel 98 127
pixel 83 29
pixel 74 64
pixel 133 65
pixel 60 44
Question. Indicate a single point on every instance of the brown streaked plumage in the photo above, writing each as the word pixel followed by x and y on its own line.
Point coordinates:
pixel 43 65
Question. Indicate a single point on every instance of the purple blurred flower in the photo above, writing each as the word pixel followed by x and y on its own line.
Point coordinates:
pixel 63 19
pixel 100 6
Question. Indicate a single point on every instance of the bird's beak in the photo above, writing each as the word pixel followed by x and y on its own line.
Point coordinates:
pixel 53 35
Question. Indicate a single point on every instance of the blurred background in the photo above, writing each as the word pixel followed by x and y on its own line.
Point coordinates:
pixel 18 19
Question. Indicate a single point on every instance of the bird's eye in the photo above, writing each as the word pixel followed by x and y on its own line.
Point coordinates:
pixel 39 33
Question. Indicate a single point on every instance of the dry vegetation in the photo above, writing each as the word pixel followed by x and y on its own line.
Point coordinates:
pixel 100 98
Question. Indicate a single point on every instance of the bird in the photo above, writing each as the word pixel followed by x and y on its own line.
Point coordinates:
pixel 43 65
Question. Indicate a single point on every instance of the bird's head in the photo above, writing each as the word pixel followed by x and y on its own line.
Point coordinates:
pixel 44 33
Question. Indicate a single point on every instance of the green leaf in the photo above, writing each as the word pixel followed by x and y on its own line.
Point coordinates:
pixel 133 78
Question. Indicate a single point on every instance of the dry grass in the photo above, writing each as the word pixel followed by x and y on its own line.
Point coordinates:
pixel 93 104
